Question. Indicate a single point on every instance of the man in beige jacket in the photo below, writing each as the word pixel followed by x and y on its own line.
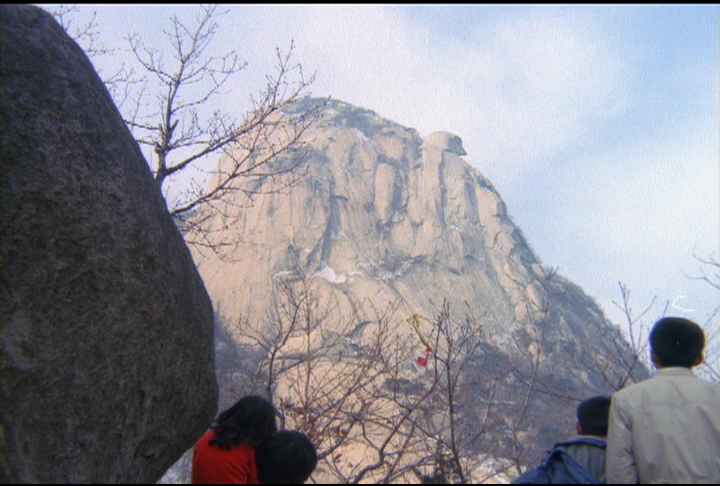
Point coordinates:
pixel 667 429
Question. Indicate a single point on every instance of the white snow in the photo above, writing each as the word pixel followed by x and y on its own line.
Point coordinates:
pixel 328 273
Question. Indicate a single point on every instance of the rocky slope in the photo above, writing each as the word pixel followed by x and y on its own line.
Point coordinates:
pixel 385 217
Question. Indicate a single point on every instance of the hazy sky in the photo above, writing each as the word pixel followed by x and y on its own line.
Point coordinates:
pixel 598 125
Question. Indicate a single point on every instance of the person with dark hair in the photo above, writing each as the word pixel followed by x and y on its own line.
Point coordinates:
pixel 226 453
pixel 580 460
pixel 593 415
pixel 286 457
pixel 667 429
pixel 592 423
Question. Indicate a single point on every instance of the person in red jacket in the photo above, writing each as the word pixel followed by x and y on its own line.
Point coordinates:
pixel 226 453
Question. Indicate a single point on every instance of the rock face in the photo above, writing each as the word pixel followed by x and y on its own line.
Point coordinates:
pixel 386 218
pixel 107 329
pixel 386 215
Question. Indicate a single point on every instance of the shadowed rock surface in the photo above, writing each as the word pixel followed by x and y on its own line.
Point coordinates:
pixel 107 329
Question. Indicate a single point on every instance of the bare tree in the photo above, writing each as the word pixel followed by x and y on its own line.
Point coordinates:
pixel 709 272
pixel 170 115
pixel 201 151
pixel 478 419
pixel 621 357
pixel 512 419
pixel 345 381
pixel 468 411
pixel 447 416
pixel 86 33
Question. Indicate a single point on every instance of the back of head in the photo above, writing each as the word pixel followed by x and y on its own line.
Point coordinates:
pixel 286 457
pixel 677 342
pixel 593 415
pixel 249 421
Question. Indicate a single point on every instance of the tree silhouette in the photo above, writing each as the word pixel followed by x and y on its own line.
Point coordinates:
pixel 167 100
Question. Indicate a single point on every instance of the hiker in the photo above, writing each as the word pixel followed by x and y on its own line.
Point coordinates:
pixel 666 429
pixel 285 457
pixel 226 453
pixel 580 460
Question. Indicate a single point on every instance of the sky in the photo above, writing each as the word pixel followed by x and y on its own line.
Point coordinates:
pixel 597 124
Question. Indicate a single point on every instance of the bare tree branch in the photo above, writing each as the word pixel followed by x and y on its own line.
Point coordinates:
pixel 709 272
pixel 86 34
pixel 168 100
pixel 183 137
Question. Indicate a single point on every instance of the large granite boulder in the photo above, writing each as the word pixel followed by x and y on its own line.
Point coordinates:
pixel 107 329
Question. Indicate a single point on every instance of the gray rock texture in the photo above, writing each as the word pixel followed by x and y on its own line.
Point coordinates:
pixel 107 329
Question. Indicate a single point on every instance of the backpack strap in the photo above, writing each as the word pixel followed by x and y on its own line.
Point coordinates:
pixel 593 441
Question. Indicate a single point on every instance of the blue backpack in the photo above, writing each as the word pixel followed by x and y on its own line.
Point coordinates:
pixel 559 467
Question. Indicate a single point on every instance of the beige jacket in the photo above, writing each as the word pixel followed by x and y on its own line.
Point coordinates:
pixel 665 430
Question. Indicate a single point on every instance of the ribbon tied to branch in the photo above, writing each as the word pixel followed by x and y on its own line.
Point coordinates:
pixel 414 321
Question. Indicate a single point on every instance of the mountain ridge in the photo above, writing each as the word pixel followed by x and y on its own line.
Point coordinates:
pixel 403 233
pixel 384 219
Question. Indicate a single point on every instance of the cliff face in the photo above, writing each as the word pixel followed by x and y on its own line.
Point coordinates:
pixel 383 216
pixel 107 329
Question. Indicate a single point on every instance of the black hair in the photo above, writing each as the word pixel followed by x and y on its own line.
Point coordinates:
pixel 286 457
pixel 249 421
pixel 593 415
pixel 677 342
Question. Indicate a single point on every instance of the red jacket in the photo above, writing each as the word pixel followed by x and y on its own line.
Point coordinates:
pixel 212 464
